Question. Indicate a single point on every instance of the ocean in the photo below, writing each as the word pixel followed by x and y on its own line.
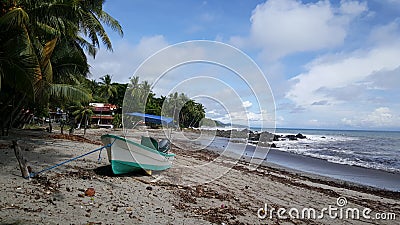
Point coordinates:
pixel 366 157
pixel 370 149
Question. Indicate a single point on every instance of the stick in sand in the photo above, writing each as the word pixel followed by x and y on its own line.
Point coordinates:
pixel 22 162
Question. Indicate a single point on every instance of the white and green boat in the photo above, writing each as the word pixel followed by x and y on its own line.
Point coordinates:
pixel 127 156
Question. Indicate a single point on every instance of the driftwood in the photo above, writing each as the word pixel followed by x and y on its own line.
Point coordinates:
pixel 21 160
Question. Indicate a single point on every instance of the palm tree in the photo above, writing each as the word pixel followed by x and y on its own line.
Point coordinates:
pixel 107 90
pixel 82 114
pixel 134 83
pixel 36 38
pixel 140 93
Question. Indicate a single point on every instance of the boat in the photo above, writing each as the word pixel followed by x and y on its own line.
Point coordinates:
pixel 128 156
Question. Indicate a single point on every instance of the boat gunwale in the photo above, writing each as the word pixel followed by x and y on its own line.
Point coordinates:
pixel 139 145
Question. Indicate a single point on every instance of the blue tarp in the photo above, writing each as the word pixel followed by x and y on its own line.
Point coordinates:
pixel 153 118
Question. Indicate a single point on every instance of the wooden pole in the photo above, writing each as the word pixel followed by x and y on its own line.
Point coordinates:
pixel 21 160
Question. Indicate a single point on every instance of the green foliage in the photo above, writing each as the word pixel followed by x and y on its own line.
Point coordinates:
pixel 139 95
pixel 107 90
pixel 118 98
pixel 211 123
pixel 82 115
pixel 117 121
pixel 191 114
pixel 42 57
pixel 208 122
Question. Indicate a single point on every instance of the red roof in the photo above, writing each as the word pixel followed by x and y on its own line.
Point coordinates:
pixel 103 109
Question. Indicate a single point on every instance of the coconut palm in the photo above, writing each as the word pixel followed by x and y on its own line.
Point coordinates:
pixel 139 94
pixel 35 39
pixel 107 89
pixel 82 114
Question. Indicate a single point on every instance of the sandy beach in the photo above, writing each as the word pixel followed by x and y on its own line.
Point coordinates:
pixel 202 187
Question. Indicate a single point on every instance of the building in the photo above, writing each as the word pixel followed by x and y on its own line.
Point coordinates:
pixel 103 114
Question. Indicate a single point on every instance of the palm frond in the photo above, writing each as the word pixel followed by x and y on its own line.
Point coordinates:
pixel 48 29
pixel 92 50
pixel 14 18
pixel 70 92
pixel 111 22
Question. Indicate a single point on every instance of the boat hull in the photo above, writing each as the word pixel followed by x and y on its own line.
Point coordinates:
pixel 127 156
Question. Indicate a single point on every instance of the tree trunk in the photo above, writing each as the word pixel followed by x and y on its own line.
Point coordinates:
pixel 50 124
pixel 21 160
pixel 62 126
pixel 10 116
pixel 72 126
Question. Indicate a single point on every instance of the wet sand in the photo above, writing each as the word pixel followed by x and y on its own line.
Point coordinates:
pixel 202 187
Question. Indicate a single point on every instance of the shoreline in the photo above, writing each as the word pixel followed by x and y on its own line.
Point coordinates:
pixel 56 197
pixel 358 175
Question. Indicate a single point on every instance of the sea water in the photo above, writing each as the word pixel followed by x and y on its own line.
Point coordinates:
pixel 369 158
pixel 370 149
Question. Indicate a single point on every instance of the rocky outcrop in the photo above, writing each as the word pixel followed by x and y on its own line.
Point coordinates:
pixel 300 136
pixel 264 138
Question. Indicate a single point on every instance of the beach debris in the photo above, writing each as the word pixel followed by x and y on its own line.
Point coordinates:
pixel 89 192
pixel 218 215
pixel 149 188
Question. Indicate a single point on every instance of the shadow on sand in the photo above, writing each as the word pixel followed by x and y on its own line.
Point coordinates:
pixel 106 171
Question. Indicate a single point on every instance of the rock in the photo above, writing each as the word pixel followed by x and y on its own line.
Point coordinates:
pixel 273 145
pixel 254 137
pixel 266 136
pixel 149 188
pixel 291 137
pixel 90 192
pixel 299 135
pixel 276 137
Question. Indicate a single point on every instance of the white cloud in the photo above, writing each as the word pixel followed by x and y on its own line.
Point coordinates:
pixel 283 27
pixel 385 80
pixel 347 122
pixel 248 118
pixel 386 33
pixel 380 117
pixel 247 104
pixel 352 8
pixel 341 72
pixel 126 57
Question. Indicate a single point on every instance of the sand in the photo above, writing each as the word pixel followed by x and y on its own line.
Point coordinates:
pixel 201 188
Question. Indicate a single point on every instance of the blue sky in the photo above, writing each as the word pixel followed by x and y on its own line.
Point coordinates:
pixel 330 64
